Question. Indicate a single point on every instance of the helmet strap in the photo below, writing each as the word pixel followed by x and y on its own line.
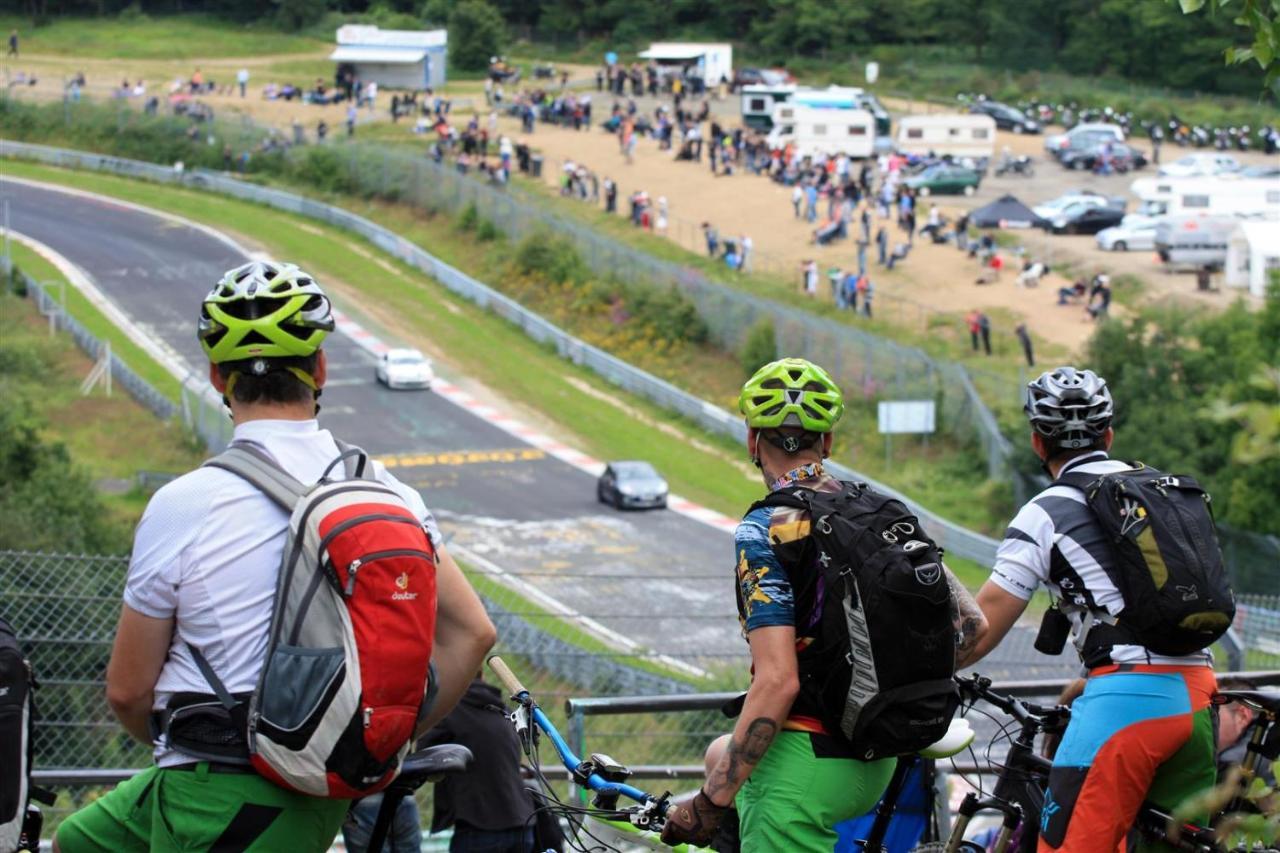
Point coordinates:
pixel 791 443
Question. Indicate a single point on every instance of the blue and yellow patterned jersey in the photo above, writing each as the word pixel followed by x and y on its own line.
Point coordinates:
pixel 778 582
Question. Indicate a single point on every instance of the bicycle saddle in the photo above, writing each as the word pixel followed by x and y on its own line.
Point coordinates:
pixel 429 764
pixel 957 739
pixel 1267 701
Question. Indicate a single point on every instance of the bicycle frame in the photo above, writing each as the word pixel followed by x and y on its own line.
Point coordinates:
pixel 650 812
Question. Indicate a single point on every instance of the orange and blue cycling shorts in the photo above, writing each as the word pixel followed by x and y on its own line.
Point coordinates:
pixel 1139 732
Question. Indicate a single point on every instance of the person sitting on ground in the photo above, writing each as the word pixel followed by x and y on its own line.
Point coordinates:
pixel 1073 294
pixel 1031 274
pixel 900 252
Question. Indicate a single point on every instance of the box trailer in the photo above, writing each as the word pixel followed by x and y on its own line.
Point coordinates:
pixel 953 134
pixel 1195 241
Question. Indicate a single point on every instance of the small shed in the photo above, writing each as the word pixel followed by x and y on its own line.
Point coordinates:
pixel 1253 251
pixel 394 59
pixel 711 61
pixel 1004 212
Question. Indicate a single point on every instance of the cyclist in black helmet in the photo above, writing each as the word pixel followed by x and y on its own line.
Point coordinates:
pixel 1142 729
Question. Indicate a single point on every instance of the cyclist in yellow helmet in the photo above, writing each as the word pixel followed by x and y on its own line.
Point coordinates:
pixel 789 776
pixel 202 575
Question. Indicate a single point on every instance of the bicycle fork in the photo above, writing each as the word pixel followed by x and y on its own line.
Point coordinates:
pixel 973 804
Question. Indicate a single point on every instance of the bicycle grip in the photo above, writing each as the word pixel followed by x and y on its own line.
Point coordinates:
pixel 506 676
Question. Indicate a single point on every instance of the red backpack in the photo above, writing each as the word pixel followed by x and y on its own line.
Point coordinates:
pixel 349 649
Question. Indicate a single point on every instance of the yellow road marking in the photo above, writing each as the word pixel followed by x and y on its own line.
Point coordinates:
pixel 461 457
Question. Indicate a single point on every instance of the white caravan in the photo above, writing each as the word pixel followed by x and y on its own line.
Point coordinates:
pixel 815 130
pixel 1223 195
pixel 758 102
pixel 954 134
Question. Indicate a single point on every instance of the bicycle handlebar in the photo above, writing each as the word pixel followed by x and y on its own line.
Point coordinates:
pixel 506 676
pixel 979 687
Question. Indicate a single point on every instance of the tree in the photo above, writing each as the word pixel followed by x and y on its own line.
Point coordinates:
pixel 476 32
pixel 1262 18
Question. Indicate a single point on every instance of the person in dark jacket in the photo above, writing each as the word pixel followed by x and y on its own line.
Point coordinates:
pixel 488 806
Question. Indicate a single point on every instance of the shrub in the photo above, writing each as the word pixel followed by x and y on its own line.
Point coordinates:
pixel 550 259
pixel 476 32
pixel 469 218
pixel 486 231
pixel 760 347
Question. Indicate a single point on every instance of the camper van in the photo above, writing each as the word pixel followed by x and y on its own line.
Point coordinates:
pixel 758 103
pixel 845 98
pixel 953 134
pixel 1222 195
pixel 823 131
pixel 1195 241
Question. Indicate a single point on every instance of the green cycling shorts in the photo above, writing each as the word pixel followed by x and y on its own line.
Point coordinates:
pixel 794 798
pixel 172 810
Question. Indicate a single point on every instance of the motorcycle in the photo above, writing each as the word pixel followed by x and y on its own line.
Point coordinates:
pixel 1020 165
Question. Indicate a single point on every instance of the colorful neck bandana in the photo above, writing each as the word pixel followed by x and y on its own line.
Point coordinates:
pixel 795 475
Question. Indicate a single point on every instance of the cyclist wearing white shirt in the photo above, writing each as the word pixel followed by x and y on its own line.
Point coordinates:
pixel 1143 729
pixel 203 575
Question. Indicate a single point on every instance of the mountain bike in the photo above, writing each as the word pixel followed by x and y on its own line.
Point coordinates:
pixel 604 825
pixel 1018 794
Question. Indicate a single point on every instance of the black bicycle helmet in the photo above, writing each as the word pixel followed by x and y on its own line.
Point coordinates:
pixel 1071 408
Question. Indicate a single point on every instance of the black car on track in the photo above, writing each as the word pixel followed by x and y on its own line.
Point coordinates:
pixel 632 484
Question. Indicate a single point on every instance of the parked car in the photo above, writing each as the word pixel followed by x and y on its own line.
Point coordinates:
pixel 631 484
pixel 404 368
pixel 1051 208
pixel 1135 232
pixel 1096 131
pixel 945 178
pixel 1085 156
pixel 1200 164
pixel 1260 172
pixel 1007 118
pixel 1085 218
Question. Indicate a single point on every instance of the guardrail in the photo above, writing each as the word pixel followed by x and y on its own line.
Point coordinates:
pixel 951 536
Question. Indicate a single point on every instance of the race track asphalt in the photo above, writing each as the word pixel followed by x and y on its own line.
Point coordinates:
pixel 656 577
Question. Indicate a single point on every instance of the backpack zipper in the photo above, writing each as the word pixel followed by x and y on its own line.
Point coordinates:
pixel 378 555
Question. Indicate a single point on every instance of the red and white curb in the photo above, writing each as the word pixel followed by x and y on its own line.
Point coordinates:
pixel 552 447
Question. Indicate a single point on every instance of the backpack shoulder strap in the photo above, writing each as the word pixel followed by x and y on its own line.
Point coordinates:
pixel 250 463
pixel 792 497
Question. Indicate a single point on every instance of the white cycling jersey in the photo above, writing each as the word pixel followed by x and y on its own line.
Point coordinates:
pixel 207 553
pixel 1055 540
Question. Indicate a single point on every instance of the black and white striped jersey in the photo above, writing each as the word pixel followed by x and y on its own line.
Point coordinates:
pixel 1055 541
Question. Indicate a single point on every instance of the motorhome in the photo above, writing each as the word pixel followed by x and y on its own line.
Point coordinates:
pixel 815 130
pixel 1221 195
pixel 758 102
pixel 953 134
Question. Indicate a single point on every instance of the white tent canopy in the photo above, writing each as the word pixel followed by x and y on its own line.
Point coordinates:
pixel 392 55
pixel 1253 251
pixel 674 52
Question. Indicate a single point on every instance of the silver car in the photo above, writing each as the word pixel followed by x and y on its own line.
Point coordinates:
pixel 1133 233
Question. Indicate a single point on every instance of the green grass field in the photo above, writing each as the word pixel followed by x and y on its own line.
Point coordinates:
pixel 140 37
pixel 113 438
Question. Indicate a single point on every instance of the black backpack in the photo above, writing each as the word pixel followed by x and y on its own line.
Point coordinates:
pixel 1166 561
pixel 18 830
pixel 881 667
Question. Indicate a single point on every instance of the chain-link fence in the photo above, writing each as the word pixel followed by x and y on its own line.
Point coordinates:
pixel 199 407
pixel 877 366
pixel 65 607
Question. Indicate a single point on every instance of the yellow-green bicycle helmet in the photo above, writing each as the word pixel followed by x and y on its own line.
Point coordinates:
pixel 264 310
pixel 791 392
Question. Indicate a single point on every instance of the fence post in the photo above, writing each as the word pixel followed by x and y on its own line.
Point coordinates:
pixel 577 738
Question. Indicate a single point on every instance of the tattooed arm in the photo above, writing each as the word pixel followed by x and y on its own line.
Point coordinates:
pixel 967 617
pixel 773 688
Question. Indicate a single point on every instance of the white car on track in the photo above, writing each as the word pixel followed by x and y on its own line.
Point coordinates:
pixel 405 368
pixel 1134 232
